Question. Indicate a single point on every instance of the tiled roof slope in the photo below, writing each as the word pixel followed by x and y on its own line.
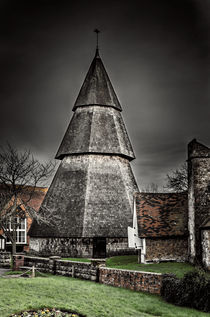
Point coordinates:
pixel 162 214
pixel 36 199
pixel 95 129
pixel 97 88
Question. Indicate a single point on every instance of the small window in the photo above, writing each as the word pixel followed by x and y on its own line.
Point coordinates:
pixel 21 234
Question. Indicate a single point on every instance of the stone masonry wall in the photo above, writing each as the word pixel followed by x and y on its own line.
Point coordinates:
pixel 205 238
pixel 198 195
pixel 96 271
pixel 118 246
pixel 167 249
pixel 134 280
pixel 77 247
pixel 65 247
pixel 42 264
pixel 199 187
pixel 87 271
pixel 5 259
pixel 81 270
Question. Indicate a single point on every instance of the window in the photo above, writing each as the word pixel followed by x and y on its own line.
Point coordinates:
pixel 21 236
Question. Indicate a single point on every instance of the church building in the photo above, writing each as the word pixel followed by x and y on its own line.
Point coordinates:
pixel 97 208
pixel 91 195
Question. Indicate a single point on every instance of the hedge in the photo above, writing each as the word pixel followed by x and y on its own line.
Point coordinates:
pixel 193 290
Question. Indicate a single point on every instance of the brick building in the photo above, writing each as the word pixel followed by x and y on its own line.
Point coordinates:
pixel 22 236
pixel 162 226
pixel 176 226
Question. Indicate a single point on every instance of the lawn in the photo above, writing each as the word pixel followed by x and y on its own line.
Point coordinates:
pixel 85 297
pixel 77 259
pixel 130 262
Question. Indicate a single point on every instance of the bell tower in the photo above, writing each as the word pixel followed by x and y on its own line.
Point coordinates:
pixel 91 194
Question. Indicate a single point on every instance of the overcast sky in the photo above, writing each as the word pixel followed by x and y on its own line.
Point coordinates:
pixel 156 55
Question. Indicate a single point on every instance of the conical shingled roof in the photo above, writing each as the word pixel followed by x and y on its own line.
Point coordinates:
pixel 96 129
pixel 97 88
pixel 97 125
pixel 91 194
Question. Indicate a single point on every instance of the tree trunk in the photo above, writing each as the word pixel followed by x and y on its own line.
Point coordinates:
pixel 13 247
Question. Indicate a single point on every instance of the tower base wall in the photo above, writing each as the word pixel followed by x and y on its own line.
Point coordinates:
pixel 78 247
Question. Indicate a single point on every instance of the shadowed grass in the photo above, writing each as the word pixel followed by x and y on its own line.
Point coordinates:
pixel 130 262
pixel 85 297
pixel 77 259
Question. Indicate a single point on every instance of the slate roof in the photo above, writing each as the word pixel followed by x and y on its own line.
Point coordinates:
pixel 162 214
pixel 97 88
pixel 90 196
pixel 95 129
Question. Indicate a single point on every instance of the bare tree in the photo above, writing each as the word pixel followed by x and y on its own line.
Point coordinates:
pixel 177 180
pixel 150 188
pixel 20 174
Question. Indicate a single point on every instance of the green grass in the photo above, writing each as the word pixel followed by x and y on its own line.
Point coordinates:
pixel 13 272
pixel 130 262
pixel 77 259
pixel 88 298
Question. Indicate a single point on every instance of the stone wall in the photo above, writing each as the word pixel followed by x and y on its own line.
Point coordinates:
pixel 198 196
pixel 5 259
pixel 53 265
pixel 97 272
pixel 42 264
pixel 160 249
pixel 118 246
pixel 85 271
pixel 134 280
pixel 77 247
pixel 65 247
pixel 205 238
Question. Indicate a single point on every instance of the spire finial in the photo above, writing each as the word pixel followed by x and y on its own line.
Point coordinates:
pixel 97 47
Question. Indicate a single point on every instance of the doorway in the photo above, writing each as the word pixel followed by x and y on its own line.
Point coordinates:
pixel 99 247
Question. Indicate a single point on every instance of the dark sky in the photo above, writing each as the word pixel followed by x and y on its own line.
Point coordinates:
pixel 156 55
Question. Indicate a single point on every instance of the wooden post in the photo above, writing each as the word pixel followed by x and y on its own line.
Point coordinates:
pixel 33 271
pixel 73 271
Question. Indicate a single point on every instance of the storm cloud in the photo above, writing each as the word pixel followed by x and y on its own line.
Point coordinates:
pixel 155 52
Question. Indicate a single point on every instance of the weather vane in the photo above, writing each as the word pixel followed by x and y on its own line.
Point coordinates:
pixel 96 31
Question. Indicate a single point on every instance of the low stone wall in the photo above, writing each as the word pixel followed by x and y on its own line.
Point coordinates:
pixel 5 259
pixel 42 264
pixel 83 270
pixel 97 272
pixel 134 280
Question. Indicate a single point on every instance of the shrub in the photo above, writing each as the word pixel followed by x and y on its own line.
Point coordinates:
pixel 193 290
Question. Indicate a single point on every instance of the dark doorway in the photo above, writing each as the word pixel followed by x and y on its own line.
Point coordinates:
pixel 99 247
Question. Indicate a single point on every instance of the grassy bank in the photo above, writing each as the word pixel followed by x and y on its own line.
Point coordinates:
pixel 88 298
pixel 130 262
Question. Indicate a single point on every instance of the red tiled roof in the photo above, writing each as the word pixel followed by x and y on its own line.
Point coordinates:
pixel 162 214
pixel 37 197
